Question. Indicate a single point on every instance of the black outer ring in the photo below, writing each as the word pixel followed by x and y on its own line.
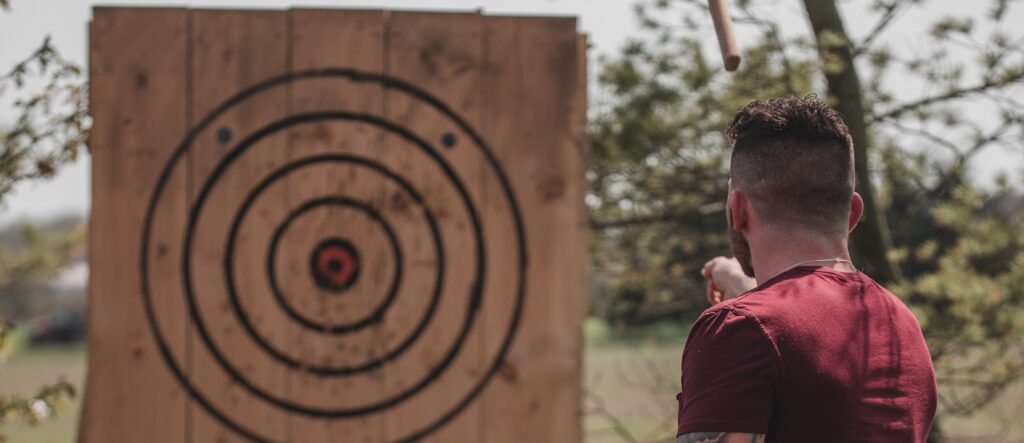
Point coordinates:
pixel 325 282
pixel 355 76
pixel 186 266
pixel 236 304
pixel 378 312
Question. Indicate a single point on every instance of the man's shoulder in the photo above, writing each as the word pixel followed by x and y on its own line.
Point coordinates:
pixel 805 302
pixel 798 288
pixel 745 312
pixel 762 301
pixel 782 301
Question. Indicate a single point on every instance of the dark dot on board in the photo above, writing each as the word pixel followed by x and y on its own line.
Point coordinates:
pixel 448 140
pixel 334 265
pixel 224 135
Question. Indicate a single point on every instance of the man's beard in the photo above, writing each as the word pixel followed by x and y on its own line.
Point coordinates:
pixel 740 247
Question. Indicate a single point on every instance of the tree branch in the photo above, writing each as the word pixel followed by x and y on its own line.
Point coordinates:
pixel 772 31
pixel 891 11
pixel 927 135
pixel 954 94
pixel 950 177
pixel 680 217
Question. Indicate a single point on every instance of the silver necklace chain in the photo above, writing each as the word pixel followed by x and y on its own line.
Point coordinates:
pixel 836 260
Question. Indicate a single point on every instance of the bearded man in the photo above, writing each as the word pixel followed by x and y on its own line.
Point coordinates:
pixel 799 346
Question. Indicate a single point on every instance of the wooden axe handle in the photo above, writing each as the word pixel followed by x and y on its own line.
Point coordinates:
pixel 726 39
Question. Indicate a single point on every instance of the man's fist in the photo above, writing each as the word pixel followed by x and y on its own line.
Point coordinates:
pixel 725 279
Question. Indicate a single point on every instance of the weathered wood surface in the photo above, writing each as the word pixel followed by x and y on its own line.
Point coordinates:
pixel 458 136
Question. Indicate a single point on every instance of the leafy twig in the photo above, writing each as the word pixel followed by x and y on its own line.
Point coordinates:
pixel 890 11
pixel 935 99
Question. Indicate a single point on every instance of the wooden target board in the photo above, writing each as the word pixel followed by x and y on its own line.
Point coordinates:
pixel 335 226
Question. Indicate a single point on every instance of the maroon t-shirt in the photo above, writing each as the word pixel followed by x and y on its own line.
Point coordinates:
pixel 811 355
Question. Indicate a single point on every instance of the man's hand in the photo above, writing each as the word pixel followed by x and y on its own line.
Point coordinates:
pixel 725 279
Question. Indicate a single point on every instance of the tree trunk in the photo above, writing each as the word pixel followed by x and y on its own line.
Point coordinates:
pixel 871 240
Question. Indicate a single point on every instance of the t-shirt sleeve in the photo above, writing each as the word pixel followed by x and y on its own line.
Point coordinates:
pixel 730 377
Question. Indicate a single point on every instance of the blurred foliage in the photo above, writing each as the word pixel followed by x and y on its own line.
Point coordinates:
pixel 53 118
pixel 31 257
pixel 659 158
pixel 24 274
pixel 49 95
pixel 49 400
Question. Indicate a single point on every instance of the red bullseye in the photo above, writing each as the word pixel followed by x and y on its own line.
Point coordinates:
pixel 335 264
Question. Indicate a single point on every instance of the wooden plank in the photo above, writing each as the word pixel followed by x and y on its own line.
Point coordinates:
pixel 332 39
pixel 441 54
pixel 531 118
pixel 130 142
pixel 579 253
pixel 230 51
pixel 518 81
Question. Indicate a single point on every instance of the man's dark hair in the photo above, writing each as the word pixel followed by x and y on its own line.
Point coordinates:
pixel 794 158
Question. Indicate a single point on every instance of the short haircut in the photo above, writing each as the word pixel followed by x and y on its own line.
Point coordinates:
pixel 793 157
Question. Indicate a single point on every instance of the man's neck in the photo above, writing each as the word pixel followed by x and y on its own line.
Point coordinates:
pixel 778 253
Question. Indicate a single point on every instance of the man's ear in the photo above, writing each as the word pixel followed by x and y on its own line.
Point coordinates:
pixel 856 211
pixel 739 205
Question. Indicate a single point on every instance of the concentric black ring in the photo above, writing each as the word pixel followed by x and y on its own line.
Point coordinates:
pixel 275 288
pixel 354 76
pixel 377 314
pixel 236 304
pixel 186 267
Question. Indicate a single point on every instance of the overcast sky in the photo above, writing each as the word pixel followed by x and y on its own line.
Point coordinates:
pixel 607 22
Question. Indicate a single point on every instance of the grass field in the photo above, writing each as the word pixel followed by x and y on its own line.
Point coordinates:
pixel 630 383
pixel 25 372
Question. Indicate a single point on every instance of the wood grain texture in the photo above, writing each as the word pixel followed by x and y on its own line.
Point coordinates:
pixel 138 107
pixel 532 64
pixel 351 39
pixel 517 83
pixel 441 54
pixel 230 51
